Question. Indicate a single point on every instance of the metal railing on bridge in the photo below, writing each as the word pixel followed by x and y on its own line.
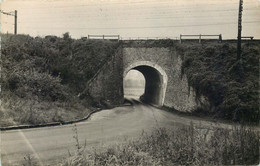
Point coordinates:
pixel 117 37
pixel 200 37
pixel 149 38
pixel 247 37
pixel 181 38
pixel 104 37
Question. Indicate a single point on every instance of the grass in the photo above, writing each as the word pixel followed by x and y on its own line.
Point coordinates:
pixel 187 145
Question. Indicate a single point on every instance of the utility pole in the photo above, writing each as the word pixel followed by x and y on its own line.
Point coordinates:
pixel 239 29
pixel 15 22
pixel 15 18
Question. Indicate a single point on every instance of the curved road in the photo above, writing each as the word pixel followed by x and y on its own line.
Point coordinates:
pixel 51 144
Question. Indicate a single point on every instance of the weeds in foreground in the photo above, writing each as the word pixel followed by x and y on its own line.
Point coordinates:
pixel 185 146
pixel 29 160
pixel 78 157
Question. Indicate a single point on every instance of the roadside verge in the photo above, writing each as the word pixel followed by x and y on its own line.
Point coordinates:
pixel 48 124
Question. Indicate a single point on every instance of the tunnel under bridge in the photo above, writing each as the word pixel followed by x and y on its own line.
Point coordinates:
pixel 161 68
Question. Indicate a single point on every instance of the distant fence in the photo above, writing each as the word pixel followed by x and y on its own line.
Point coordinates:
pixel 248 37
pixel 200 37
pixel 149 38
pixel 108 37
pixel 117 37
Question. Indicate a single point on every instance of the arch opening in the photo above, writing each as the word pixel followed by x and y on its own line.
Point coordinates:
pixel 134 85
pixel 155 81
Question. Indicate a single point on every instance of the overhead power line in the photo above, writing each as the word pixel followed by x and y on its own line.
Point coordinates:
pixel 128 19
pixel 156 2
pixel 7 13
pixel 170 26
pixel 131 16
pixel 7 23
pixel 139 15
pixel 146 9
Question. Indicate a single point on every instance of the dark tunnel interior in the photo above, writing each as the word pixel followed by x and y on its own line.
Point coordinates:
pixel 153 85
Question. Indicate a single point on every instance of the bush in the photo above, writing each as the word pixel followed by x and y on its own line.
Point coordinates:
pixel 231 87
pixel 49 70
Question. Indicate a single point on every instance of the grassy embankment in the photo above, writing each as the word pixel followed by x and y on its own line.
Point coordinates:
pixel 231 88
pixel 43 78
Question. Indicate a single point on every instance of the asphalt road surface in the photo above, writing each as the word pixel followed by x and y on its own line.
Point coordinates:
pixel 49 145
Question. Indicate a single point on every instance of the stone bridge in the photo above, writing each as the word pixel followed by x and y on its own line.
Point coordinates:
pixel 161 66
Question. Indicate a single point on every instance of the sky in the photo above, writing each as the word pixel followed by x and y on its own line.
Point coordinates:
pixel 131 18
pixel 134 75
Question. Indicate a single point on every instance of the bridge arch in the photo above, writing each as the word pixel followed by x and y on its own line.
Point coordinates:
pixel 155 81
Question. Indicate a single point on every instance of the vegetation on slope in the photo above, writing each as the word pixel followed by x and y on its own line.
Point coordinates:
pixel 187 145
pixel 232 88
pixel 43 78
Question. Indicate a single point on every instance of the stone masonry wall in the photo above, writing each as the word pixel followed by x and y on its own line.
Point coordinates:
pixel 107 86
pixel 177 91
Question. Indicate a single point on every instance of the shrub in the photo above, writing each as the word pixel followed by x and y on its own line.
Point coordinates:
pixel 51 69
pixel 230 87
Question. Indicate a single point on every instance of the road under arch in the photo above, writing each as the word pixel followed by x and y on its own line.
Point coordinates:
pixel 155 81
